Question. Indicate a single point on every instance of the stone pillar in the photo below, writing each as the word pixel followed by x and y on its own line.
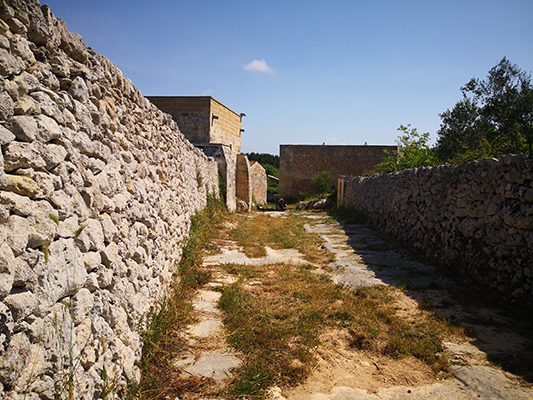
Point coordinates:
pixel 244 187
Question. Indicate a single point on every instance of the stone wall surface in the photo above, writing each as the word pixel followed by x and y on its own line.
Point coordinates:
pixel 301 163
pixel 227 161
pixel 259 182
pixel 475 219
pixel 244 180
pixel 96 193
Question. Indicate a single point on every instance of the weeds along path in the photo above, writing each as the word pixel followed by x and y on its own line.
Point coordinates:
pixel 296 305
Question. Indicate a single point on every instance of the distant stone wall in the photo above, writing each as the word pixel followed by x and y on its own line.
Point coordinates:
pixel 96 193
pixel 475 219
pixel 301 163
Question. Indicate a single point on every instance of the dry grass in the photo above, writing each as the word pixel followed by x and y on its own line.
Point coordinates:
pixel 275 315
pixel 253 234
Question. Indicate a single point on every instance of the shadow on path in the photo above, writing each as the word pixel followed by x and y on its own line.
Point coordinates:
pixel 500 333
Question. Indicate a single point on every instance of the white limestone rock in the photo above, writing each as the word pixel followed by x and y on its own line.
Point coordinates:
pixel 63 274
pixel 83 302
pixel 20 205
pixel 7 269
pixel 23 155
pixel 21 304
pixel 20 231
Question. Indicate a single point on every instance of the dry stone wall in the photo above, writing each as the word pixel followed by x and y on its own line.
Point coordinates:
pixel 96 193
pixel 475 219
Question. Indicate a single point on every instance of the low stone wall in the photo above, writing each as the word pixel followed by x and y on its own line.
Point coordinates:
pixel 475 219
pixel 96 193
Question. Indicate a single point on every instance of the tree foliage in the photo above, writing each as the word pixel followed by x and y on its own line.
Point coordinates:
pixel 413 151
pixel 495 117
pixel 322 183
pixel 264 158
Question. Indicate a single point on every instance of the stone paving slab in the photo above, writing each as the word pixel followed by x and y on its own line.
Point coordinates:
pixel 214 365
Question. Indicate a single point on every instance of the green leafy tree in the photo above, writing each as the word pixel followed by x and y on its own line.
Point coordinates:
pixel 264 158
pixel 271 170
pixel 272 184
pixel 496 119
pixel 322 183
pixel 413 151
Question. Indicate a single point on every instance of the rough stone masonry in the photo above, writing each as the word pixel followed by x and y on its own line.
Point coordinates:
pixel 96 193
pixel 475 219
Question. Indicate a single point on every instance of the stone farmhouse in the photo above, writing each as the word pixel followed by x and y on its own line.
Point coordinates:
pixel 216 130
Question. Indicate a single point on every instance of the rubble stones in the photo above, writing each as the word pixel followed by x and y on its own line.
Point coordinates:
pixel 475 219
pixel 96 193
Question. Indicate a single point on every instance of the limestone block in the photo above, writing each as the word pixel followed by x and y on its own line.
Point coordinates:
pixel 110 254
pixel 6 136
pixel 22 185
pixel 6 106
pixel 92 282
pixel 63 274
pixel 83 116
pixel 53 155
pixel 7 269
pixel 21 304
pixel 104 277
pixel 101 329
pixel 47 106
pixel 42 226
pixel 78 90
pixel 68 227
pixel 92 236
pixel 24 127
pixel 23 155
pixel 92 260
pixel 83 302
pixel 110 230
pixel 4 214
pixel 25 106
pixel 17 204
pixel 20 231
pixel 3 177
pixel 24 275
pixel 10 64
pixel 528 196
pixel 48 128
pixel 14 359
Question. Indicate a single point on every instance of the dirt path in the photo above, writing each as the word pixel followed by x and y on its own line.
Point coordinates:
pixel 364 258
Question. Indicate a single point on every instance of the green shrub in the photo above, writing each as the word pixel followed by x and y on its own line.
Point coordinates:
pixel 322 183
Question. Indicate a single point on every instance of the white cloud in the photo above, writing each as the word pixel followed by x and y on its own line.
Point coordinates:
pixel 259 66
pixel 207 92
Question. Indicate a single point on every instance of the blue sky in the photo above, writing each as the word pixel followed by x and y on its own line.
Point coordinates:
pixel 308 72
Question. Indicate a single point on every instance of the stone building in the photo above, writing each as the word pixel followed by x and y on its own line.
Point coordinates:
pixel 203 119
pixel 301 163
pixel 216 130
